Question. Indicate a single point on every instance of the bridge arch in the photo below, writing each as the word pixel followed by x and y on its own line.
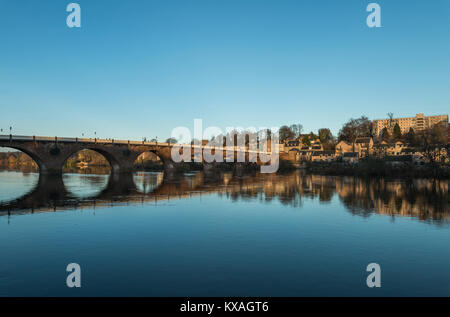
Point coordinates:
pixel 35 157
pixel 149 161
pixel 109 157
pixel 112 160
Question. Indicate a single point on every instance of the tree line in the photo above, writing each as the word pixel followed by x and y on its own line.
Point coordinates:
pixel 295 131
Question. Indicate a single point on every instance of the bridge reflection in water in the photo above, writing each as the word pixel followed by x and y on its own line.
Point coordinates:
pixel 421 199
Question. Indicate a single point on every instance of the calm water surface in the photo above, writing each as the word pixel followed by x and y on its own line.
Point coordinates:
pixel 222 235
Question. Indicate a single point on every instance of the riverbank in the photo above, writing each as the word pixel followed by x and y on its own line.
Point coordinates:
pixel 379 168
pixel 369 167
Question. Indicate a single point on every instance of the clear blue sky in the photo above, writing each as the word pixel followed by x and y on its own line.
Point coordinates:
pixel 141 68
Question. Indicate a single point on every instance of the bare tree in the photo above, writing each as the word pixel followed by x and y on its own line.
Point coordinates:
pixel 433 145
pixel 354 128
pixel 391 119
pixel 297 129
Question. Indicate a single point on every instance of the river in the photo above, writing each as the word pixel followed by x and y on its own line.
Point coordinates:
pixel 220 234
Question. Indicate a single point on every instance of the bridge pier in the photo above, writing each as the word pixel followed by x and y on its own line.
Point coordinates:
pixel 120 184
pixel 171 167
pixel 241 167
pixel 51 188
pixel 210 167
pixel 51 167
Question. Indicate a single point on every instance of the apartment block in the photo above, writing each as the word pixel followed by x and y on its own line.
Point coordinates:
pixel 419 122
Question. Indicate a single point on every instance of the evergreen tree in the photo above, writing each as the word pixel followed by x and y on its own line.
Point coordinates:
pixel 397 133
pixel 306 141
pixel 385 136
pixel 411 137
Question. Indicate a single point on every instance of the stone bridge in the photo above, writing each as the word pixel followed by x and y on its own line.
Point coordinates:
pixel 50 153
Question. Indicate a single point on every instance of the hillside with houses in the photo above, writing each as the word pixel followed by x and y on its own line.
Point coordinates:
pixel 361 138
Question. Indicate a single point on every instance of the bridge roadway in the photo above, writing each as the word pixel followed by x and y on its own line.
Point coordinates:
pixel 50 153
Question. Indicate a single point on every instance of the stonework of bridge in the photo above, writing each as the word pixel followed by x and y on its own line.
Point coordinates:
pixel 51 153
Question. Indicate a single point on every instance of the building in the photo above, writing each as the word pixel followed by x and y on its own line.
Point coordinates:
pixel 344 147
pixel 323 156
pixel 418 123
pixel 364 146
pixel 293 143
pixel 297 144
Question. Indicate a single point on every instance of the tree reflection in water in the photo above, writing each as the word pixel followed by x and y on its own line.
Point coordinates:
pixel 419 198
